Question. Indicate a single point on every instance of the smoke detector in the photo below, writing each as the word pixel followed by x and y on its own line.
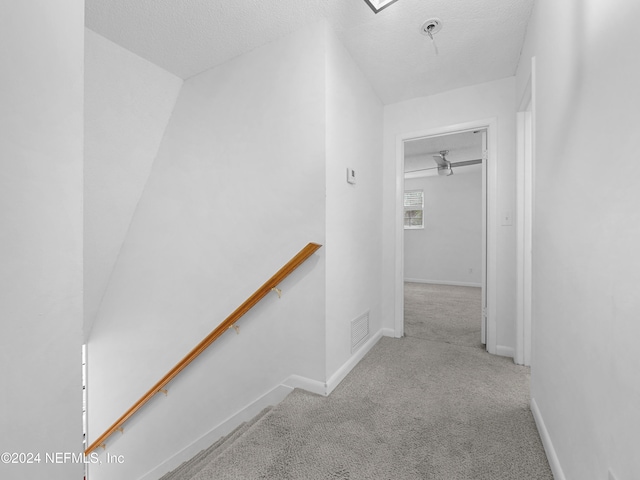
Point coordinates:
pixel 431 27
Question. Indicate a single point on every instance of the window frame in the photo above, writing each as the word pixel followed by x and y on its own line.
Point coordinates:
pixel 413 208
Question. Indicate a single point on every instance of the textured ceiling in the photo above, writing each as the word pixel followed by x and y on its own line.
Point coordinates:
pixel 480 39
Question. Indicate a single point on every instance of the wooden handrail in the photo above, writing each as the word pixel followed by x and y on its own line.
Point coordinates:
pixel 229 322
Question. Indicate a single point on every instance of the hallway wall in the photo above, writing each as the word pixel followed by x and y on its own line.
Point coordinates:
pixel 41 94
pixel 354 247
pixel 586 234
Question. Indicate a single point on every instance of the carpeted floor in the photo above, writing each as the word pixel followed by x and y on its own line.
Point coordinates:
pixel 413 408
pixel 443 313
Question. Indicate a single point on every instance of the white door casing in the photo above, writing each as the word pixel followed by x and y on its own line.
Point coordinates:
pixel 524 191
pixel 489 223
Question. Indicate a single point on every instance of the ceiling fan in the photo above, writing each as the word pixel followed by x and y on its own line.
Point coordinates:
pixel 444 166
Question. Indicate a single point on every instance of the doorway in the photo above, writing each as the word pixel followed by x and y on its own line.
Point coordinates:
pixel 443 234
pixel 488 265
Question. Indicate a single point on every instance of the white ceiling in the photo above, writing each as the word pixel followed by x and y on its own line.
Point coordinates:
pixel 480 40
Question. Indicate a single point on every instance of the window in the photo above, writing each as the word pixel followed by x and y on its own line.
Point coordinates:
pixel 413 209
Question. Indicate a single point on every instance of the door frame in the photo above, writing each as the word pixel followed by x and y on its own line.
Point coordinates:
pixel 525 178
pixel 489 223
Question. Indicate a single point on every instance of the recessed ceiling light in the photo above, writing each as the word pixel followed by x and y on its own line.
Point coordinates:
pixel 431 27
pixel 377 5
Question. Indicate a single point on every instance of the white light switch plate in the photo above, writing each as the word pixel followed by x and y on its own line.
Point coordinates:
pixel 351 176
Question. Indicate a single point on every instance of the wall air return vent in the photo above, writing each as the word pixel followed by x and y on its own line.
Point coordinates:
pixel 359 331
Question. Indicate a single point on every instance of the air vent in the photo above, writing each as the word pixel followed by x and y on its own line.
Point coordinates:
pixel 359 331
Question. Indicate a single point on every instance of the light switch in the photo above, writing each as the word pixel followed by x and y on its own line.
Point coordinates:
pixel 351 176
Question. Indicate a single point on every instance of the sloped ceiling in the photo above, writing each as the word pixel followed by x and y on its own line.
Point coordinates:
pixel 480 40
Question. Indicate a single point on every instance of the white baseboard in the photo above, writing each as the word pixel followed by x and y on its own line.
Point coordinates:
pixel 443 282
pixel 552 457
pixel 505 351
pixel 313 386
pixel 388 332
pixel 344 370
pixel 272 397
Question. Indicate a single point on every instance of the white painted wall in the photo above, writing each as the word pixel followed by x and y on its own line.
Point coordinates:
pixel 450 244
pixel 237 188
pixel 353 218
pixel 128 102
pixel 586 233
pixel 478 102
pixel 41 46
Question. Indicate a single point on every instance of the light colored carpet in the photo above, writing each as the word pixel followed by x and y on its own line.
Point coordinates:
pixel 190 468
pixel 443 313
pixel 411 409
